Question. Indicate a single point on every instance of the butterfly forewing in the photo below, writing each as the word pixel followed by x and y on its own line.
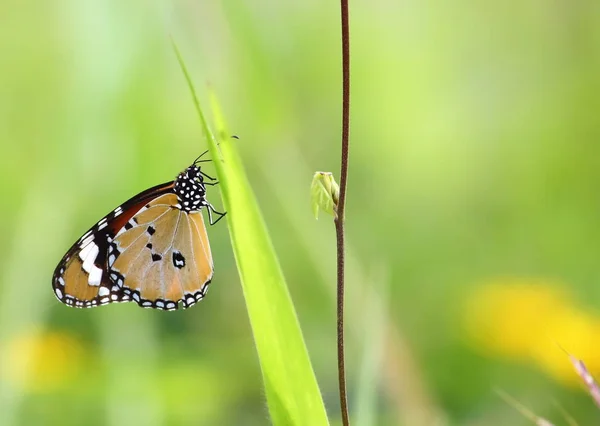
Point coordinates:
pixel 72 287
pixel 81 279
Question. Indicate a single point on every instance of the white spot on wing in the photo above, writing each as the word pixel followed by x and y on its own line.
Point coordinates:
pixel 61 281
pixel 87 240
pixel 90 257
pixel 95 276
pixel 85 251
pixel 58 293
pixel 103 291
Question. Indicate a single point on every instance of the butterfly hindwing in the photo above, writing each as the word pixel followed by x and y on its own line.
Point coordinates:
pixel 163 256
pixel 190 260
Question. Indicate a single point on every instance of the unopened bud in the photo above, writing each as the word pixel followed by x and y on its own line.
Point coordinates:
pixel 324 193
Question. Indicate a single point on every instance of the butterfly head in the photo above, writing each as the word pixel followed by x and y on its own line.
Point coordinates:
pixel 190 190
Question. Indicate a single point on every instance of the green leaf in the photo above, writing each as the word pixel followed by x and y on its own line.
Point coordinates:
pixel 291 388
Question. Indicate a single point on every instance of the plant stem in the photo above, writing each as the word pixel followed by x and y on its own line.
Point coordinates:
pixel 339 219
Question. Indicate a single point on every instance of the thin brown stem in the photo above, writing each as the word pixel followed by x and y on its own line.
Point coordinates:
pixel 339 219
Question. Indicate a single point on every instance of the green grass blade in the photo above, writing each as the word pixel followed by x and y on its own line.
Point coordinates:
pixel 291 388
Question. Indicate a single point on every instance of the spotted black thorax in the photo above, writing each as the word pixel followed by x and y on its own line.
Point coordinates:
pixel 190 190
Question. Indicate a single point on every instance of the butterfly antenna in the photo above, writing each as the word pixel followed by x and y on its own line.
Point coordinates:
pixel 198 160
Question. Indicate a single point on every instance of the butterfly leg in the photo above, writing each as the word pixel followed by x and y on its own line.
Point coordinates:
pixel 214 180
pixel 211 210
pixel 207 177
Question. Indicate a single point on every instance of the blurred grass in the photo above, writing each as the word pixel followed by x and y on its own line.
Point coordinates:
pixel 475 157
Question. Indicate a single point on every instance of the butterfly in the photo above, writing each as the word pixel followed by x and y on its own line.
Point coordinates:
pixel 153 249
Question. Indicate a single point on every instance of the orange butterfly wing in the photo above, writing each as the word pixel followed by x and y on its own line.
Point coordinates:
pixel 164 258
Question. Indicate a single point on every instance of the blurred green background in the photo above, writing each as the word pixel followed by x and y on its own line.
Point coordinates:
pixel 473 205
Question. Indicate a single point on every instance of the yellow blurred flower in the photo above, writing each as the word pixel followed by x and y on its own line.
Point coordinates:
pixel 42 361
pixel 574 332
pixel 533 320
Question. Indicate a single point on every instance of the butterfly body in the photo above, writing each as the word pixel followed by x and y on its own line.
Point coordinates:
pixel 152 250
